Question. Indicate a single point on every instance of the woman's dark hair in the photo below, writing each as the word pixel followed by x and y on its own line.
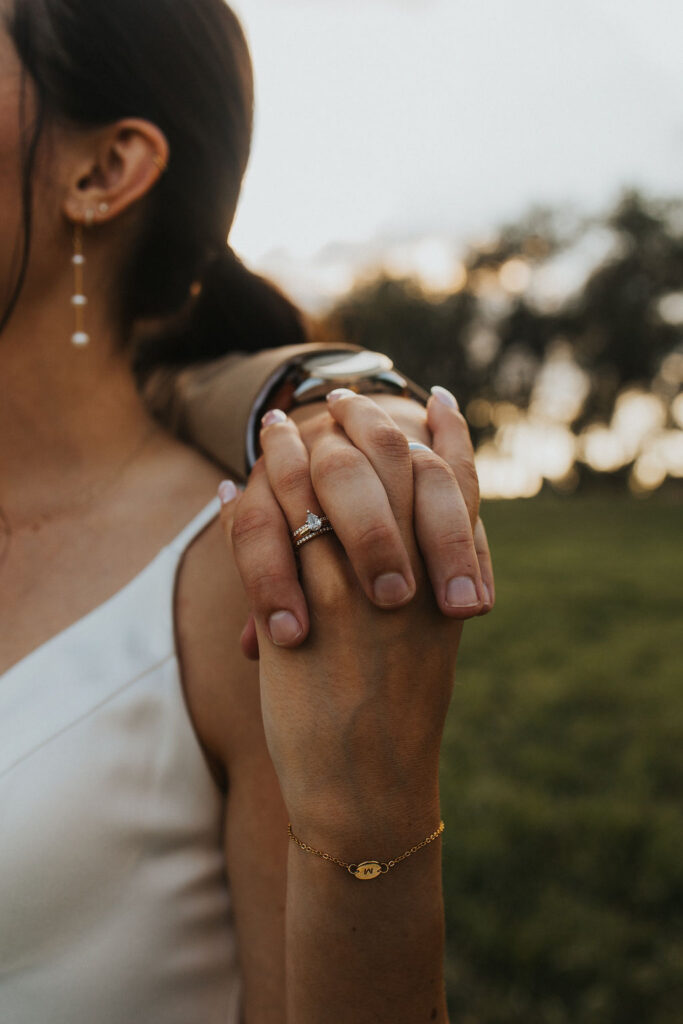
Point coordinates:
pixel 184 65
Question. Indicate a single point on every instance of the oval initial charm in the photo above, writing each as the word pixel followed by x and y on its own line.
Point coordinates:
pixel 368 870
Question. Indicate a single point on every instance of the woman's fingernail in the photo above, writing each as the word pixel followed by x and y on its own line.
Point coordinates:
pixel 392 588
pixel 461 592
pixel 334 396
pixel 445 397
pixel 284 628
pixel 227 492
pixel 487 595
pixel 273 417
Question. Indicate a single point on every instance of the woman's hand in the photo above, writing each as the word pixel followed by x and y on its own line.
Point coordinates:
pixel 445 533
pixel 354 717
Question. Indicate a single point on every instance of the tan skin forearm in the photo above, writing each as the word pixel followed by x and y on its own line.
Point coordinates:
pixel 367 952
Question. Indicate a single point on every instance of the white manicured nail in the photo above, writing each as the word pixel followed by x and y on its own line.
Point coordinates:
pixel 227 492
pixel 273 417
pixel 334 396
pixel 445 397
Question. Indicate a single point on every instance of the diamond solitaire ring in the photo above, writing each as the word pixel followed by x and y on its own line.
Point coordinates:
pixel 314 527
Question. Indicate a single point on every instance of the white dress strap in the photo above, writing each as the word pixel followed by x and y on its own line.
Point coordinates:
pixel 180 543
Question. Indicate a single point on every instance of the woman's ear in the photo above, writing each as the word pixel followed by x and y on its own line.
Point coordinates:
pixel 123 163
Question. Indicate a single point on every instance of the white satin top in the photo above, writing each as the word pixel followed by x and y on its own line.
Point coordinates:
pixel 114 905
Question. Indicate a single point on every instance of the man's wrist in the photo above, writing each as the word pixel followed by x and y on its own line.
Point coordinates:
pixel 304 383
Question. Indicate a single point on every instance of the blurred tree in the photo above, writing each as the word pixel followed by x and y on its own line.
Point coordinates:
pixel 422 335
pixel 615 324
pixel 490 338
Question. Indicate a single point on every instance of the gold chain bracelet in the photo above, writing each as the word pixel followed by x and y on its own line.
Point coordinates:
pixel 367 869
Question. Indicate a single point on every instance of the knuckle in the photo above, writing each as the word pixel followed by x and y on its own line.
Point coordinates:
pixel 458 540
pixel 343 462
pixel 293 479
pixel 430 465
pixel 264 587
pixel 249 524
pixel 389 441
pixel 374 536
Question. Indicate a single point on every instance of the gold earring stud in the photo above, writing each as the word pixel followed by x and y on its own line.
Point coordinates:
pixel 159 162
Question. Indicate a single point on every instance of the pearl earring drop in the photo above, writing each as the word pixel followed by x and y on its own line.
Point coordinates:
pixel 80 338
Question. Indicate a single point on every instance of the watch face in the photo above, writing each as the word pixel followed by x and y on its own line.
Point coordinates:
pixel 347 367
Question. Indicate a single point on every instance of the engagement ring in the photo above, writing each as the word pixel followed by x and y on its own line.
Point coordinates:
pixel 314 527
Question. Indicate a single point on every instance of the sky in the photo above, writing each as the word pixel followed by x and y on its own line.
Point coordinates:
pixel 389 122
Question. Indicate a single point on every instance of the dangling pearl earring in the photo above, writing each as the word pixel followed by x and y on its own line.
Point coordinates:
pixel 80 338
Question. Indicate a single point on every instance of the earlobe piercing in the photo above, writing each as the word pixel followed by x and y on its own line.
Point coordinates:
pixel 80 338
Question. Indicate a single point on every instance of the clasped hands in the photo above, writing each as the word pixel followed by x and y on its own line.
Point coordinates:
pixel 353 462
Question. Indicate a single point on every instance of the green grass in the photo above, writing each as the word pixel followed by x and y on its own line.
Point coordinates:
pixel 563 771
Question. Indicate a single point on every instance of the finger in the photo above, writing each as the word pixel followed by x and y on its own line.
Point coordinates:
pixel 249 640
pixel 444 533
pixel 288 468
pixel 265 560
pixel 453 443
pixel 385 446
pixel 338 478
pixel 481 545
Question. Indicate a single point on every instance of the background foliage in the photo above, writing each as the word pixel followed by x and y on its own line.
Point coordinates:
pixel 562 765
pixel 563 772
pixel 605 292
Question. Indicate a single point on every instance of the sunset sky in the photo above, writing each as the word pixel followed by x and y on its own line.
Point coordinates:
pixel 381 122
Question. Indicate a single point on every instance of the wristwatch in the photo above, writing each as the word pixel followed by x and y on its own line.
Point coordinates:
pixel 310 377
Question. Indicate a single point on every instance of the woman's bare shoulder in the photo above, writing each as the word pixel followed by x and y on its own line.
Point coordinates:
pixel 221 685
pixel 223 697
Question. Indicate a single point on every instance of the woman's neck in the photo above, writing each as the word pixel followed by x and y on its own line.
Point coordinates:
pixel 68 417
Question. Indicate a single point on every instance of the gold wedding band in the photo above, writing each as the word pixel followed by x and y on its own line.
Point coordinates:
pixel 311 536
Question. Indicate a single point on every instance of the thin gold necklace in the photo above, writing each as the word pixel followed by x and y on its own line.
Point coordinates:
pixel 86 498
